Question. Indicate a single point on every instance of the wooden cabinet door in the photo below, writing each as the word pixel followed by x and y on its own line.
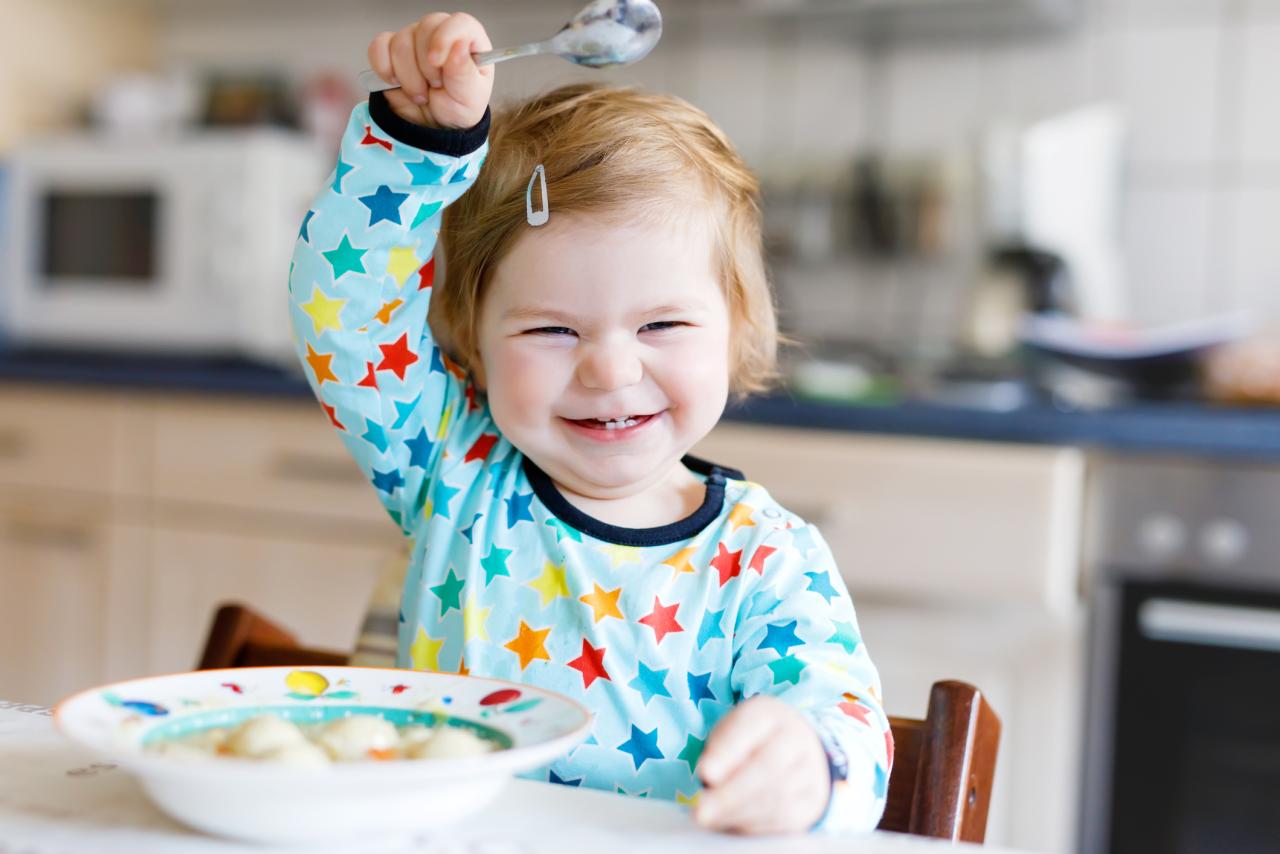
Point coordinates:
pixel 54 558
pixel 318 589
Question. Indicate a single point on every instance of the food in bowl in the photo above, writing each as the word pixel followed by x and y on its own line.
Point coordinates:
pixel 272 738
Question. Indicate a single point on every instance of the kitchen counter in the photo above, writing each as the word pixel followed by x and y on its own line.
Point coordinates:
pixel 1181 428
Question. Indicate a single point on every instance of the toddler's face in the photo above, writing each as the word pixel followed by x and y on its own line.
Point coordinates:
pixel 586 321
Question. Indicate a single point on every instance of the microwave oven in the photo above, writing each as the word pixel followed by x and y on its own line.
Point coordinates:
pixel 167 246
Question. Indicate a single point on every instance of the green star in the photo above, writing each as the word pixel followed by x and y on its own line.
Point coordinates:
pixel 450 593
pixel 562 530
pixel 692 750
pixel 345 258
pixel 845 636
pixel 495 564
pixel 786 670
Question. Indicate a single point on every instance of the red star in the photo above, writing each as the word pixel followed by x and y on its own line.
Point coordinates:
pixel 428 274
pixel 332 412
pixel 662 620
pixel 399 689
pixel 471 398
pixel 370 379
pixel 888 744
pixel 854 709
pixel 727 563
pixel 370 139
pixel 590 664
pixel 759 557
pixel 481 448
pixel 396 357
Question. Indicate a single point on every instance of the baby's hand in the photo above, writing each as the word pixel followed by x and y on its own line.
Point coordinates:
pixel 765 771
pixel 430 60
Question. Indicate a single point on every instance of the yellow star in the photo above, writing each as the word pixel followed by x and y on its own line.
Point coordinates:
pixel 690 801
pixel 603 604
pixel 619 555
pixel 529 644
pixel 426 651
pixel 402 263
pixel 473 621
pixel 679 562
pixel 444 421
pixel 741 515
pixel 323 311
pixel 384 313
pixel 551 583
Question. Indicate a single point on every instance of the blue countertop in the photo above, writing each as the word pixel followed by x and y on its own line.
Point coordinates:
pixel 1184 428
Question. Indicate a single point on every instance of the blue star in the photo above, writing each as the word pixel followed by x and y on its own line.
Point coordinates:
pixel 641 746
pixel 404 408
pixel 444 494
pixel 420 449
pixel 339 173
pixel 306 222
pixel 387 481
pixel 650 683
pixel 700 688
pixel 497 471
pixel 425 211
pixel 563 530
pixel 375 435
pixel 437 363
pixel 820 583
pixel 802 538
pixel 384 204
pixel 710 628
pixel 553 777
pixel 518 508
pixel 881 784
pixel 780 638
pixel 459 176
pixel 424 172
pixel 495 564
pixel 467 531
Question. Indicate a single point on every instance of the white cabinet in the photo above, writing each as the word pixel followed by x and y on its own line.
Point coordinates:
pixel 318 589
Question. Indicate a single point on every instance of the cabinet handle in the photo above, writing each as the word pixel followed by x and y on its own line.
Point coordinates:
pixel 12 444
pixel 77 538
pixel 316 469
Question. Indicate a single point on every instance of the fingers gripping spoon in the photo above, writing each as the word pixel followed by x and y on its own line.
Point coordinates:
pixel 604 33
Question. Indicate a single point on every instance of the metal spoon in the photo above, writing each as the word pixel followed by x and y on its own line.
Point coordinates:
pixel 604 33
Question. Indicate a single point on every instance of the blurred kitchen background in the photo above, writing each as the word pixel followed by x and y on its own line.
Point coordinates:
pixel 1028 250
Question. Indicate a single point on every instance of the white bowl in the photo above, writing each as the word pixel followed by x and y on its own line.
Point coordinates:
pixel 266 802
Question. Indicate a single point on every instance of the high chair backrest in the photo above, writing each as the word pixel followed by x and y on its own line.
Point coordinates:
pixel 943 765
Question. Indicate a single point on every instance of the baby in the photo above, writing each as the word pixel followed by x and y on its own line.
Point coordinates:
pixel 605 294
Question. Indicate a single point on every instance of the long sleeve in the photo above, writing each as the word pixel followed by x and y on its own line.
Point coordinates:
pixel 797 639
pixel 359 288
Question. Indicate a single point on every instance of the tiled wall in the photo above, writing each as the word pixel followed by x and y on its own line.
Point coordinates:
pixel 1198 79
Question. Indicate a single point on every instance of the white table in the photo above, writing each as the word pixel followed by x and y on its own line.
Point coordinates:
pixel 57 799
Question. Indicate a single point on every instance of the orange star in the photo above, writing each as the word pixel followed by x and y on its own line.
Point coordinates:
pixel 384 313
pixel 529 644
pixel 320 365
pixel 603 604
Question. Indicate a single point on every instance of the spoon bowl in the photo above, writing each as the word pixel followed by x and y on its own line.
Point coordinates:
pixel 603 34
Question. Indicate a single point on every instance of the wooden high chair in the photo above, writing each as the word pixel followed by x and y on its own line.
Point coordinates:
pixel 943 766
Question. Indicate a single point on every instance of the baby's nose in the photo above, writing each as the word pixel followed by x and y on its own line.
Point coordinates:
pixel 608 366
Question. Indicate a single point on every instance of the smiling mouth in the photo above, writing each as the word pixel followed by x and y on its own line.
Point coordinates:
pixel 620 423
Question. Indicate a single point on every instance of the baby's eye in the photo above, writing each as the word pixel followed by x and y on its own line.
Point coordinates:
pixel 551 330
pixel 660 325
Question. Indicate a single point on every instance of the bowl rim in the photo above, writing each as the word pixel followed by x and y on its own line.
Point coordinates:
pixel 133 757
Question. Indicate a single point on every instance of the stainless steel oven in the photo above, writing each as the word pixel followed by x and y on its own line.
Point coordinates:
pixel 1183 736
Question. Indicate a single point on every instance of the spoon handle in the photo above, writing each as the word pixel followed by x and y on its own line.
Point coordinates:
pixel 371 82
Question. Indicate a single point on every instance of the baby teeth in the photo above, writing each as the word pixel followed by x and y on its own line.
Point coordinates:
pixel 617 423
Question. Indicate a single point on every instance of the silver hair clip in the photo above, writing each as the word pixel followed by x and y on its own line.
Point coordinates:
pixel 538 217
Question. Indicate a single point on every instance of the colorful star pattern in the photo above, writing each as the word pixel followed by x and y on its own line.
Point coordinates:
pixel 658 635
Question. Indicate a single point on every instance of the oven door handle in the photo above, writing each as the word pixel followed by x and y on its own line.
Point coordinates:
pixel 1210 625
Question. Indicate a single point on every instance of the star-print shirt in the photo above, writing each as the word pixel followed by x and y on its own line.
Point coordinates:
pixel 659 631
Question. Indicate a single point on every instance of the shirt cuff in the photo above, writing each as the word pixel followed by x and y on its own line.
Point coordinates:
pixel 451 142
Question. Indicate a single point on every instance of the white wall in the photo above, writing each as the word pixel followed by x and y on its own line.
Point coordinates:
pixel 1202 199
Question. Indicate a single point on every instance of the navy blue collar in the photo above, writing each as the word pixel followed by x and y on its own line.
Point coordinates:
pixel 684 529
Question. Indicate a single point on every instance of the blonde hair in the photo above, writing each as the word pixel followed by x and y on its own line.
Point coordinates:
pixel 608 149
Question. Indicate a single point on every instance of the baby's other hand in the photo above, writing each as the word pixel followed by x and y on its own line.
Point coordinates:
pixel 765 771
pixel 430 60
